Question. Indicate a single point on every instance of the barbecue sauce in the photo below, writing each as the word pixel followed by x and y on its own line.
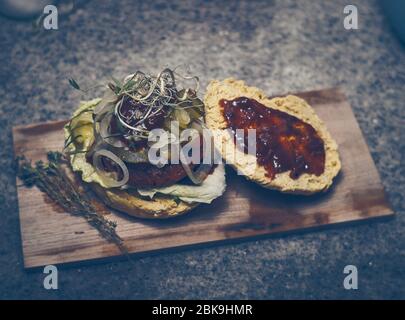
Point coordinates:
pixel 283 142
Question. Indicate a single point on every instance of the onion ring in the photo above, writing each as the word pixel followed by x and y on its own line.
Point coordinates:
pixel 107 179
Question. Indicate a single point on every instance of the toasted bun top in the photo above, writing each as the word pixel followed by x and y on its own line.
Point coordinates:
pixel 246 163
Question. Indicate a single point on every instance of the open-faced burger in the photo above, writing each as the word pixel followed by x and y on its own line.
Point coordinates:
pixel 133 147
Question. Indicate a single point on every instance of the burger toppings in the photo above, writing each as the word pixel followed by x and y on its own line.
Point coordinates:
pixel 122 126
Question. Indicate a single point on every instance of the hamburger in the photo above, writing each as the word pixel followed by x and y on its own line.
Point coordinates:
pixel 142 147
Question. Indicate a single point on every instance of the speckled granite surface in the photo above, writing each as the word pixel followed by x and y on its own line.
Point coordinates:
pixel 278 45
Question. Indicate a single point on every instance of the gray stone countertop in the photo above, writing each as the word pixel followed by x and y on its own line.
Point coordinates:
pixel 280 46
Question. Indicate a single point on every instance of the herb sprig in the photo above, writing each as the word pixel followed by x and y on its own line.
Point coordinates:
pixel 51 178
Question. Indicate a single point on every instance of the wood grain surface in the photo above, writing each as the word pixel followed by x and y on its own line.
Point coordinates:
pixel 51 236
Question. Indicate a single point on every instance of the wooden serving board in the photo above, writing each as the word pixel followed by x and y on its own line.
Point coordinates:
pixel 50 236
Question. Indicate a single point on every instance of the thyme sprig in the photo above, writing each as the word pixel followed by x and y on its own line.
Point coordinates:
pixel 73 83
pixel 51 178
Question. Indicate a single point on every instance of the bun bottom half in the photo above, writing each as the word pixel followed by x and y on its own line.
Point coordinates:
pixel 160 207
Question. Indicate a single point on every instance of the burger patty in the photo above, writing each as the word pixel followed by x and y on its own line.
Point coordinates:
pixel 146 175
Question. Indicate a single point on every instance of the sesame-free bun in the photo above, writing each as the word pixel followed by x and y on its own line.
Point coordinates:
pixel 159 207
pixel 306 183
